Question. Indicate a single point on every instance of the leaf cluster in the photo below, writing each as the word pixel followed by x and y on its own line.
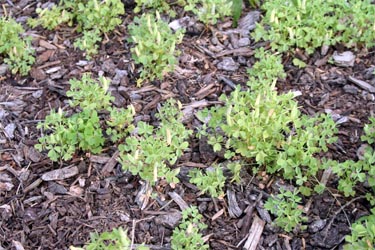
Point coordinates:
pixel 285 207
pixel 353 172
pixel 187 235
pixel 211 182
pixel 115 240
pixel 83 130
pixel 155 46
pixel 92 17
pixel 209 11
pixel 311 24
pixel 160 6
pixel 363 233
pixel 262 125
pixel 17 51
pixel 149 151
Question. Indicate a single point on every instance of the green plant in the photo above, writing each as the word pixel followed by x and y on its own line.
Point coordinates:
pixel 149 151
pixel 266 69
pixel 187 235
pixel 92 17
pixel 88 42
pixel 353 172
pixel 83 130
pixel 235 169
pixel 17 51
pixel 51 18
pixel 209 11
pixel 363 233
pixel 369 131
pixel 120 122
pixel 262 125
pixel 114 240
pixel 158 5
pixel 211 182
pixel 311 24
pixel 155 45
pixel 87 94
pixel 236 11
pixel 285 207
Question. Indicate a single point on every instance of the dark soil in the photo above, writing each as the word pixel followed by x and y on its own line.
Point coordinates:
pixel 39 214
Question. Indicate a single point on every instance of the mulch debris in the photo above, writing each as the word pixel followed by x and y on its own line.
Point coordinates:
pixel 46 205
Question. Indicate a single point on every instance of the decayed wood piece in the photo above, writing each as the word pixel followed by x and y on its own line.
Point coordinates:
pixel 362 84
pixel 143 195
pixel 234 210
pixel 60 174
pixel 180 202
pixel 254 233
pixel 108 167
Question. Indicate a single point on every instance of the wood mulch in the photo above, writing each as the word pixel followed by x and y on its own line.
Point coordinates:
pixel 44 210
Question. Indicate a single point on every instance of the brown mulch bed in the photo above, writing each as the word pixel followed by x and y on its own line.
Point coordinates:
pixel 56 214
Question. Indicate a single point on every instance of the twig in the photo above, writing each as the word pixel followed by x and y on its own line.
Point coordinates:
pixel 339 211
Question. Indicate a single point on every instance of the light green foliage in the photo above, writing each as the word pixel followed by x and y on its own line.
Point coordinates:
pixel 212 182
pixel 83 130
pixel 187 235
pixel 363 234
pixel 17 51
pixel 155 45
pixel 263 125
pixel 87 94
pixel 161 6
pixel 99 15
pixel 88 42
pixel 209 11
pixel 311 24
pixel 266 69
pixel 369 131
pixel 92 17
pixel 114 240
pixel 150 150
pixel 120 122
pixel 351 172
pixel 51 18
pixel 285 207
pixel 235 168
pixel 236 11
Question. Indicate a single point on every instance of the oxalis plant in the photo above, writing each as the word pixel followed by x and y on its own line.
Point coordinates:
pixel 352 172
pixel 312 24
pixel 285 207
pixel 363 233
pixel 116 239
pixel 150 151
pixel 83 129
pixel 91 17
pixel 268 129
pixel 16 50
pixel 187 235
pixel 155 46
pixel 209 11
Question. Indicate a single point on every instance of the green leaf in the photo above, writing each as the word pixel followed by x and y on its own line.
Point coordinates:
pixel 236 11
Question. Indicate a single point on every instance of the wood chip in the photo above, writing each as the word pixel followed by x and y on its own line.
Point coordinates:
pixel 254 234
pixel 60 174
pixel 109 166
pixel 233 208
pixel 362 84
pixel 218 214
pixel 180 202
pixel 47 45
